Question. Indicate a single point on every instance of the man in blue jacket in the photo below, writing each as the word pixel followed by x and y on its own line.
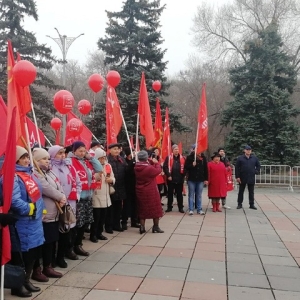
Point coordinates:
pixel 246 167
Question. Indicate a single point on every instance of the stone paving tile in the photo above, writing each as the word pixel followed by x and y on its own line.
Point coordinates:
pixel 278 260
pixel 8 296
pixel 116 248
pixel 243 257
pixel 276 245
pixel 248 280
pixel 245 293
pixel 283 271
pixel 217 277
pixel 119 283
pixel 100 255
pixel 139 259
pixel 210 247
pixel 211 240
pixel 177 252
pixel 130 270
pixel 63 292
pixel 175 262
pixel 209 255
pixel 167 273
pixel 243 267
pixel 94 267
pixel 152 297
pixel 79 279
pixel 161 287
pixel 180 244
pixel 204 291
pixel 284 283
pixel 183 237
pixel 147 250
pixel 241 249
pixel 207 265
pixel 107 295
pixel 286 295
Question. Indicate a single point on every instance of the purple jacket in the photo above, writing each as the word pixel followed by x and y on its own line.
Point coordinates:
pixel 61 170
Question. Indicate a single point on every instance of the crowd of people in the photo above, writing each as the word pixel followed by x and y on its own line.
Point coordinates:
pixel 72 190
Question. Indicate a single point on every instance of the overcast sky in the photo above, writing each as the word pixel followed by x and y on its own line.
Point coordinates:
pixel 73 17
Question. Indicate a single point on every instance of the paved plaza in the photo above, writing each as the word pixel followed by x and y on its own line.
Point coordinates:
pixel 236 255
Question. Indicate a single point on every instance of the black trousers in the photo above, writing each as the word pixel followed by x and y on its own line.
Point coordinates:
pixel 130 208
pixel 79 236
pixel 113 215
pixel 177 187
pixel 99 220
pixel 242 187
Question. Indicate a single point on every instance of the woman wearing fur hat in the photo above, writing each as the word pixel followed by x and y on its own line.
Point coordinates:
pixel 217 181
pixel 148 199
pixel 27 204
pixel 52 194
pixel 70 182
pixel 101 196
pixel 86 167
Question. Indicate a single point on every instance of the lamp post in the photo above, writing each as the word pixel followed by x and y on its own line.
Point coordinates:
pixel 64 42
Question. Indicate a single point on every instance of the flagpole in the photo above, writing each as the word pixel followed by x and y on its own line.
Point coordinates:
pixel 95 138
pixel 137 134
pixel 28 143
pixel 48 140
pixel 36 127
pixel 128 139
pixel 196 144
pixel 2 282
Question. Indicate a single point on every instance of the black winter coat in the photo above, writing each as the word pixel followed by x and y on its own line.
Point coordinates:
pixel 246 168
pixel 177 176
pixel 196 173
pixel 119 167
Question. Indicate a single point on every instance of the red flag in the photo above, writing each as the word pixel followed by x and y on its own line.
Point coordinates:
pixel 3 118
pixel 158 128
pixel 144 112
pixel 166 142
pixel 180 147
pixel 85 136
pixel 33 134
pixel 202 130
pixel 113 116
pixel 8 171
pixel 16 97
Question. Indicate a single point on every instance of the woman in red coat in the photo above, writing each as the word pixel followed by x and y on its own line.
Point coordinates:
pixel 217 181
pixel 148 199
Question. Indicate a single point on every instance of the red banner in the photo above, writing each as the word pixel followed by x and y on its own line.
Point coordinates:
pixel 33 138
pixel 158 128
pixel 166 142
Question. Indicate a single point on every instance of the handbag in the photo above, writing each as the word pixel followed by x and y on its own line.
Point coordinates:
pixel 14 276
pixel 111 190
pixel 66 219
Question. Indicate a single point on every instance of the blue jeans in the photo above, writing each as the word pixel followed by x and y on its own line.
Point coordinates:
pixel 195 194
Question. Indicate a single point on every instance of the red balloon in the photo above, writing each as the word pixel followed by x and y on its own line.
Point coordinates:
pixel 156 85
pixel 113 78
pixel 75 127
pixel 24 72
pixel 55 123
pixel 63 101
pixel 84 107
pixel 96 82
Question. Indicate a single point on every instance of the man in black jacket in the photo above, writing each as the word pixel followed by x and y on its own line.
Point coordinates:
pixel 119 167
pixel 173 167
pixel 246 167
pixel 197 176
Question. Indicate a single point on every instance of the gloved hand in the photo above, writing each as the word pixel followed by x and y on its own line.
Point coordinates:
pixel 32 209
pixel 7 219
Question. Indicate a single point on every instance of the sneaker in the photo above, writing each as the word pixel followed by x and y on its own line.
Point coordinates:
pixel 226 207
pixel 201 212
pixel 191 213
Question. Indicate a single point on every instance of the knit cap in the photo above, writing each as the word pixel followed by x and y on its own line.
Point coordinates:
pixel 19 152
pixel 39 153
pixel 53 150
pixel 142 155
pixel 99 153
pixel 77 145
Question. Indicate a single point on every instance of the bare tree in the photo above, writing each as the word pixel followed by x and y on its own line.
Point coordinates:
pixel 221 32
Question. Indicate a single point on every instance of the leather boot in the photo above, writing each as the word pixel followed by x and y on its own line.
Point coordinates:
pixel 29 286
pixel 80 251
pixel 214 206
pixel 21 292
pixel 51 273
pixel 218 207
pixel 72 255
pixel 38 275
pixel 156 228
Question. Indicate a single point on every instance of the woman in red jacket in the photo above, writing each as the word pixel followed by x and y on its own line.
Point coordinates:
pixel 148 200
pixel 217 181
